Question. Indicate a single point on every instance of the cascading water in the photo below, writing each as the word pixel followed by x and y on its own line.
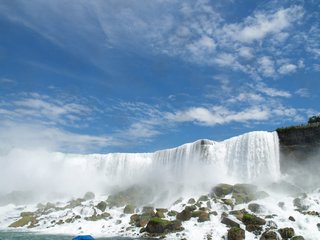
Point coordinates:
pixel 246 158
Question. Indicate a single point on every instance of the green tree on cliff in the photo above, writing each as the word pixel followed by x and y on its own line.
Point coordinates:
pixel 314 119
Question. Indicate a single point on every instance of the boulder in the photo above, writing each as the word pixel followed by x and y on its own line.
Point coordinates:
pixel 102 206
pixel 297 238
pixel 184 215
pixel 172 213
pixel 269 235
pixel 254 207
pixel 160 212
pixel 255 229
pixel 129 209
pixel 191 201
pixel 250 219
pixel 291 219
pixel 160 226
pixel 236 233
pixel 221 190
pixel 28 219
pixel 286 233
pixel 230 223
pixel 203 198
pixel 97 217
pixel 135 195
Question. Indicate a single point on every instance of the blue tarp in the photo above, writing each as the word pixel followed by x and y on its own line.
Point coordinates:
pixel 83 237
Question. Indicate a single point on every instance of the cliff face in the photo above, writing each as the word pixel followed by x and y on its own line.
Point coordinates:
pixel 298 144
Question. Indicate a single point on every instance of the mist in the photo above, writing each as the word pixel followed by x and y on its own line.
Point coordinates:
pixel 188 170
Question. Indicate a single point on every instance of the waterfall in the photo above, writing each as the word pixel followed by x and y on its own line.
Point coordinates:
pixel 247 158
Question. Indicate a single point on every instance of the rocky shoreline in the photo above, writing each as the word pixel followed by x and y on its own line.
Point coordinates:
pixel 235 207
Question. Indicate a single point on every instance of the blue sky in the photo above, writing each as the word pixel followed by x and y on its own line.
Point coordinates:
pixel 141 75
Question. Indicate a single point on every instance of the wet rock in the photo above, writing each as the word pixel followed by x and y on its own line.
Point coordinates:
pixel 102 206
pixel 271 224
pixel 203 198
pixel 318 226
pixel 28 219
pixel 185 215
pixel 236 233
pixel 172 213
pixel 230 223
pixel 255 229
pixel 202 216
pixel 149 210
pixel 269 235
pixel 214 213
pixel 89 196
pixel 238 213
pixel 191 201
pixel 190 208
pixel 159 226
pixel 135 195
pixel 286 233
pixel 281 205
pixel 245 188
pixel 229 202
pixel 97 217
pixel 254 207
pixel 292 219
pixel 160 212
pixel 221 190
pixel 250 219
pixel 297 238
pixel 129 209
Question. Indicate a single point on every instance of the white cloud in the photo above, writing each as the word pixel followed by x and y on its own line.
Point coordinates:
pixel 7 81
pixel 303 92
pixel 246 52
pixel 272 92
pixel 218 115
pixel 23 135
pixel 287 68
pixel 262 24
pixel 266 66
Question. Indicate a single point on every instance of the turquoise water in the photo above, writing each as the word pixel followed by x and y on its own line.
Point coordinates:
pixel 32 236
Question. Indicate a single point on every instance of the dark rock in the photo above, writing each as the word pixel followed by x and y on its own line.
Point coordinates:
pixel 254 207
pixel 160 212
pixel 214 213
pixel 204 216
pixel 159 226
pixel 292 219
pixel 102 206
pixel 318 226
pixel 238 213
pixel 286 233
pixel 245 188
pixel 271 224
pixel 129 209
pixel 191 201
pixel 269 235
pixel 203 198
pixel 255 229
pixel 190 208
pixel 135 195
pixel 236 233
pixel 297 238
pixel 230 223
pixel 229 202
pixel 281 205
pixel 28 219
pixel 185 215
pixel 172 213
pixel 250 219
pixel 148 210
pixel 221 190
pixel 89 196
pixel 97 217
